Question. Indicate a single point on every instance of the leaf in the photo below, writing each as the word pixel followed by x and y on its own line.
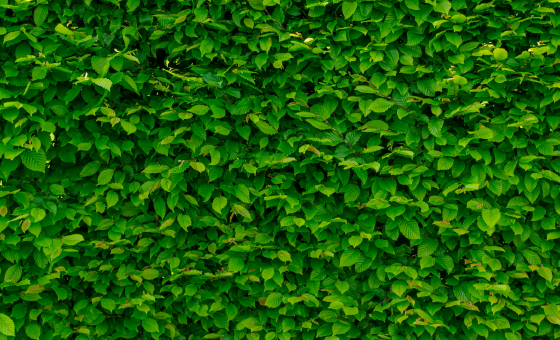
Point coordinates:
pixel 349 257
pixel 199 110
pixel 103 83
pixel 410 230
pixel 150 325
pixel 348 8
pixel 273 300
pixel 380 105
pixel 365 89
pixel 7 326
pixel 491 216
pixel 40 14
pixel 427 247
pixel 90 169
pixel 399 287
pixel 454 38
pixel 318 124
pixel 445 163
pixel 112 199
pixel 198 166
pixel 132 5
pixel 388 184
pixel 265 127
pixel 13 274
pixel 105 177
pixel 236 264
pixel 184 221
pixel 128 80
pixel 150 274
pixel 155 169
pixel 435 126
pixel 100 65
pixel 219 203
pixel 500 54
pixel 63 30
pixel 284 256
pixel 352 194
pixel 128 127
pixel 108 304
pixel 11 36
pixel 71 240
pixel 34 160
pixel 33 330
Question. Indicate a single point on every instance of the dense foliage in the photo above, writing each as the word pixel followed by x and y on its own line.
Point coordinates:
pixel 279 169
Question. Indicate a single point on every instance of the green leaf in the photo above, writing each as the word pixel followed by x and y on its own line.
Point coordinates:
pixel 352 194
pixel 90 169
pixel 184 221
pixel 410 230
pixel 198 166
pixel 219 203
pixel 399 287
pixel 108 304
pixel 100 65
pixel 236 264
pixel 11 36
pixel 349 257
pixel 427 247
pixel 491 216
pixel 7 326
pixel 112 199
pixel 150 325
pixel 34 160
pixel 284 256
pixel 33 330
pixel 380 105
pixel 150 274
pixel 500 54
pixel 72 239
pixel 274 300
pixel 103 83
pixel 348 8
pixel 105 177
pixel 318 124
pixel 63 30
pixel 454 38
pixel 265 127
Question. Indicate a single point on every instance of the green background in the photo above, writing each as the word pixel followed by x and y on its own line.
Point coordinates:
pixel 279 169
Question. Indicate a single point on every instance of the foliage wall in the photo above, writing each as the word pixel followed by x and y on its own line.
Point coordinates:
pixel 279 169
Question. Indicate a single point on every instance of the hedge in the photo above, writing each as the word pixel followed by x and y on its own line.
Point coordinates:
pixel 279 169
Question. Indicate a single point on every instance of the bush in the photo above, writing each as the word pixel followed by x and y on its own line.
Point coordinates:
pixel 279 169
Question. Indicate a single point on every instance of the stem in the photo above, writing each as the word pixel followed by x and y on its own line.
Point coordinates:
pixel 271 124
pixel 260 3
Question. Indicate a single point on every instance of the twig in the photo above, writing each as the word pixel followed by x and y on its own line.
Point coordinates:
pixel 384 300
pixel 336 131
pixel 260 3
